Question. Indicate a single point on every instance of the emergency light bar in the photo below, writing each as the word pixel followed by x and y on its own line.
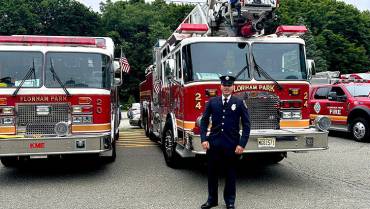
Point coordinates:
pixel 289 30
pixel 192 28
pixel 53 40
pixel 335 81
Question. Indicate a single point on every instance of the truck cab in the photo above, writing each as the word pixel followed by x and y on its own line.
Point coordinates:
pixel 346 103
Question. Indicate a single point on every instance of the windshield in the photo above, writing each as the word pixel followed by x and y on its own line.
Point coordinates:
pixel 359 90
pixel 15 65
pixel 281 61
pixel 78 70
pixel 209 61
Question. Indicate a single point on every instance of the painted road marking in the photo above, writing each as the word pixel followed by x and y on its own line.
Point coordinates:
pixel 134 138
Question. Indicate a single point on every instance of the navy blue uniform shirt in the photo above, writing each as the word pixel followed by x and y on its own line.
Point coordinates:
pixel 225 123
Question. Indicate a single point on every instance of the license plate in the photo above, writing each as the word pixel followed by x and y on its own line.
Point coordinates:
pixel 266 142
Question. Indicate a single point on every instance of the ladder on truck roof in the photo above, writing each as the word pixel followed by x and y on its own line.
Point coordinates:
pixel 232 17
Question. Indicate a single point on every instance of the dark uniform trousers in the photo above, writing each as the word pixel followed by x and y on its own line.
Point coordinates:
pixel 223 140
pixel 219 159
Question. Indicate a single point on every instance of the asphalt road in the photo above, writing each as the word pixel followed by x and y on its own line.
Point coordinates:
pixel 336 178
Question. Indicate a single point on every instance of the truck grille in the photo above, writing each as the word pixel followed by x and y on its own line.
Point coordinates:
pixel 263 108
pixel 31 123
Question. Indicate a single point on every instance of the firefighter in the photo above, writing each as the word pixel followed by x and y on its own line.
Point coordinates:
pixel 224 144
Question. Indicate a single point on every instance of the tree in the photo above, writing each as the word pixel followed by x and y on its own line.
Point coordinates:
pixel 340 31
pixel 136 27
pixel 47 17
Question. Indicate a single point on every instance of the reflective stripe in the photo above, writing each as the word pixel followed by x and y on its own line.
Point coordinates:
pixel 91 128
pixel 294 123
pixel 332 117
pixel 7 129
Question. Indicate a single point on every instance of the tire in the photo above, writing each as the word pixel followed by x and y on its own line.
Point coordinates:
pixel 275 158
pixel 116 136
pixel 169 147
pixel 10 162
pixel 264 158
pixel 360 129
pixel 112 158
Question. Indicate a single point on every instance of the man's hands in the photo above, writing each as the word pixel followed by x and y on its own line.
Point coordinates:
pixel 205 145
pixel 239 150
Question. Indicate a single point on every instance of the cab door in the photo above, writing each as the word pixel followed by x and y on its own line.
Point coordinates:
pixel 319 101
pixel 337 106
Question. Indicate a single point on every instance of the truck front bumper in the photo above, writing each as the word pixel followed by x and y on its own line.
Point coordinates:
pixel 76 144
pixel 285 140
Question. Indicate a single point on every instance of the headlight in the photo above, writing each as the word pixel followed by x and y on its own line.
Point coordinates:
pixel 322 123
pixel 291 114
pixel 77 119
pixel 7 121
pixel 287 115
pixel 7 110
pixel 82 109
pixel 82 119
pixel 76 109
pixel 296 115
pixel 87 119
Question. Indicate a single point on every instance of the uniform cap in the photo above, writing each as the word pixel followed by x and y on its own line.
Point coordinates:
pixel 227 80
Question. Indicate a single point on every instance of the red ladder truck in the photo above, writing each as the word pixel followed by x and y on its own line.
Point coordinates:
pixel 273 80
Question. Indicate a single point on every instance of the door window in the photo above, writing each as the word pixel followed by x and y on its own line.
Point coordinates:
pixel 322 93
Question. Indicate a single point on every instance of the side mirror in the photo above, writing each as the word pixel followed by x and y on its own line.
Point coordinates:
pixel 117 73
pixel 170 68
pixel 117 82
pixel 116 66
pixel 332 96
pixel 311 68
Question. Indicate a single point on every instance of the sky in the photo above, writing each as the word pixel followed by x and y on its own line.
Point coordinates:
pixel 360 4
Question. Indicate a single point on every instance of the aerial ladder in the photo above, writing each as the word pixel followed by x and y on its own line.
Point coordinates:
pixel 231 18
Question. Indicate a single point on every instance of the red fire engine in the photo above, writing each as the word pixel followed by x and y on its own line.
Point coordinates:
pixel 58 96
pixel 347 103
pixel 272 72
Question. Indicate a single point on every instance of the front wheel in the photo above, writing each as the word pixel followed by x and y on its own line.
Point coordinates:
pixel 360 129
pixel 169 148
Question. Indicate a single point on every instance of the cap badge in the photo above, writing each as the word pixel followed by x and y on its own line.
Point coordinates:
pixel 227 78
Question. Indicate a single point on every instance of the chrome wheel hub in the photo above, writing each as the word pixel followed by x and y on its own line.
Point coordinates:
pixel 168 143
pixel 359 130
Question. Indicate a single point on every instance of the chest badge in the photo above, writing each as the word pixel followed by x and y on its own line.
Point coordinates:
pixel 233 107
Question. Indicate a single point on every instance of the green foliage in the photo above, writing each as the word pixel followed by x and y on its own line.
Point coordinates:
pixel 47 17
pixel 127 105
pixel 136 27
pixel 339 34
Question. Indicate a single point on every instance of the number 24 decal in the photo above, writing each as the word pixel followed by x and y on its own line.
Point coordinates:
pixel 198 99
